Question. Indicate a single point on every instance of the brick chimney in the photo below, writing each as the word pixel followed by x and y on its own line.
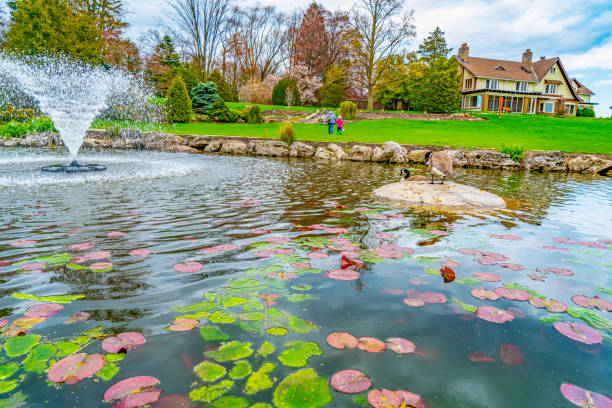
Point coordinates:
pixel 542 58
pixel 527 57
pixel 463 52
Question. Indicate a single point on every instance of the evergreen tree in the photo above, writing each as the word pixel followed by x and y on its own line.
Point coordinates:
pixel 178 102
pixel 224 89
pixel 280 95
pixel 105 13
pixel 441 86
pixel 166 54
pixel 52 26
pixel 203 96
pixel 158 68
pixel 434 46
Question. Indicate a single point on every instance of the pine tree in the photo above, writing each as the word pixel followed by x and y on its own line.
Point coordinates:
pixel 203 96
pixel 434 46
pixel 105 13
pixel 178 102
pixel 441 86
pixel 224 89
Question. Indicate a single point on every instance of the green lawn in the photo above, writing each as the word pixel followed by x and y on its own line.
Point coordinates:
pixel 242 105
pixel 530 132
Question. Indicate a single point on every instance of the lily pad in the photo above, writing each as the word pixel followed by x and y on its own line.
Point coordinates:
pixel 232 351
pixel 17 346
pixel 487 277
pixel 182 325
pixel 590 317
pixel 400 346
pixel 342 340
pixel 101 267
pixel 198 307
pixel 83 246
pixel 210 372
pixel 593 302
pixel 240 370
pixel 317 255
pixel 343 274
pixel 277 331
pixel 481 357
pixel 383 399
pixel 350 381
pixel 302 389
pixel 232 301
pixel 410 399
pixel 494 315
pixel 297 353
pixel 140 252
pixel 221 317
pixel 188 267
pixel 76 367
pixel 579 332
pixel 511 355
pixel 550 304
pixel 65 348
pixel 251 316
pixel 483 294
pixel 7 370
pixel 432 297
pixel 44 310
pixel 38 358
pixel 512 294
pixel 584 398
pixel 469 281
pixel 230 401
pixel 56 299
pixel 23 243
pixel 260 380
pixel 124 342
pixel 6 386
pixel 266 349
pixel 108 371
pixel 134 392
pixel 414 302
pixel 371 345
pixel 299 325
pixel 465 307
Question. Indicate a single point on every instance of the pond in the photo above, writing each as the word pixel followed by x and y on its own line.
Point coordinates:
pixel 247 251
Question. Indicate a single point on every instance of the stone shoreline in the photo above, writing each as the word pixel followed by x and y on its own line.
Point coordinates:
pixel 389 152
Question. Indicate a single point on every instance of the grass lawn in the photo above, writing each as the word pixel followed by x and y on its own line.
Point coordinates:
pixel 530 132
pixel 242 105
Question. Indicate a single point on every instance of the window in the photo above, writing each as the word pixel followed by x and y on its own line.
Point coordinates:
pixel 491 83
pixel 514 103
pixel 532 105
pixel 473 101
pixel 521 86
pixel 553 70
pixel 569 107
pixel 500 68
pixel 547 107
pixel 551 89
pixel 468 83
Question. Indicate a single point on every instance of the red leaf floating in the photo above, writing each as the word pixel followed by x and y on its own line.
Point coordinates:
pixel 182 325
pixel 125 342
pixel 487 277
pixel 494 315
pixel 448 274
pixel 579 332
pixel 512 294
pixel 400 346
pixel 481 358
pixel 188 267
pixel 347 263
pixel 584 398
pixel 511 355
pixel 133 392
pixel 343 274
pixel 44 310
pixel 342 340
pixel 76 367
pixel 371 345
pixel 350 381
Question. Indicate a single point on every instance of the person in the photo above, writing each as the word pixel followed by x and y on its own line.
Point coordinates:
pixel 331 120
pixel 340 125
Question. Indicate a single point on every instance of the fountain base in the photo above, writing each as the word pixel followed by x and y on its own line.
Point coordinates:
pixel 73 167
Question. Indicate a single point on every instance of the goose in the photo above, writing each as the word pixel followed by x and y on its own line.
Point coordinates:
pixel 439 164
pixel 405 175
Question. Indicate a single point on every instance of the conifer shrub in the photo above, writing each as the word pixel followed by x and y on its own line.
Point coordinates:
pixel 282 96
pixel 203 96
pixel 348 110
pixel 253 115
pixel 286 133
pixel 178 102
pixel 224 89
pixel 221 113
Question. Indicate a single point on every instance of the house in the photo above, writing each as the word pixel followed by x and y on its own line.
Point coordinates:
pixel 584 93
pixel 540 87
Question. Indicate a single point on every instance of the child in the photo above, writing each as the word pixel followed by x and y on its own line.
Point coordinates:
pixel 340 124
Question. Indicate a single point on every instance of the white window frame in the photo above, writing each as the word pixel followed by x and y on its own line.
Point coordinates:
pixel 521 86
pixel 570 108
pixel 492 84
pixel 551 89
pixel 553 70
pixel 543 107
pixel 532 105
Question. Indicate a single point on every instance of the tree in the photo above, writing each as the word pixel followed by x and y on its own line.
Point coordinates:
pixel 308 84
pixel 434 46
pixel 178 102
pixel 224 89
pixel 203 96
pixel 51 26
pixel 202 24
pixel 393 90
pixel 441 86
pixel 106 14
pixel 286 92
pixel 377 32
pixel 157 67
pixel 122 54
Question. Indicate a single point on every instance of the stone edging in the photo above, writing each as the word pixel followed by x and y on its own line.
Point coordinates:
pixel 389 152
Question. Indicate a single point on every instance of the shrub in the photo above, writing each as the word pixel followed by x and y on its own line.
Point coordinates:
pixel 224 89
pixel 585 112
pixel 113 130
pixel 13 129
pixel 286 92
pixel 203 96
pixel 41 125
pixel 286 133
pixel 255 91
pixel 515 152
pixel 178 102
pixel 332 94
pixel 9 113
pixel 348 110
pixel 19 129
pixel 221 113
pixel 253 116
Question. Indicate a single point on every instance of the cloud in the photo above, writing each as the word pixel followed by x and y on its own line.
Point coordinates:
pixel 596 57
pixel 604 82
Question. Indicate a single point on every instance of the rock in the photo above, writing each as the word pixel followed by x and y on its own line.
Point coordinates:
pixel 233 147
pixel 119 144
pixel 299 149
pixel 490 159
pixel 422 193
pixel 589 164
pixel 98 134
pixel 128 133
pixel 360 153
pixel 458 158
pixel 213 146
pixel 37 140
pixel 337 151
pixel 324 154
pixel 417 156
pixel 197 141
pixel 186 149
pixel 97 143
pixel 165 142
pixel 12 142
pixel 274 148
pixel 545 161
pixel 391 152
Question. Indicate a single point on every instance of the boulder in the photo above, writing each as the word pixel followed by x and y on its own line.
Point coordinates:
pixel 213 146
pixel 360 153
pixel 165 142
pixel 119 144
pixel 97 143
pixel 422 193
pixel 417 156
pixel 589 164
pixel 490 159
pixel 197 141
pixel 458 158
pixel 323 153
pixel 128 133
pixel 337 151
pixel 274 148
pixel 390 152
pixel 232 147
pixel 299 149
pixel 12 142
pixel 38 140
pixel 544 161
pixel 186 149
pixel 98 134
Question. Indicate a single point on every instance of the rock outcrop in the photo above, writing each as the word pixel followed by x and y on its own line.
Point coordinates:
pixel 490 159
pixel 337 151
pixel 323 153
pixel 589 164
pixel 390 152
pixel 360 153
pixel 233 147
pixel 544 161
pixel 299 149
pixel 458 158
pixel 274 148
pixel 417 156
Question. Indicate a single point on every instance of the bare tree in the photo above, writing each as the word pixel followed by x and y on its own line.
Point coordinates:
pixel 380 29
pixel 202 24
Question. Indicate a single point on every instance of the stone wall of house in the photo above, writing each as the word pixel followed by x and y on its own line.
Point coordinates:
pixel 388 152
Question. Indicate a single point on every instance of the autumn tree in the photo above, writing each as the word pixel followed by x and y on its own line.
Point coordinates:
pixel 122 53
pixel 380 28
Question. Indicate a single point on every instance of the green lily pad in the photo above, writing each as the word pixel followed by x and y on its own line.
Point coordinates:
pixel 297 353
pixel 6 386
pixel 81 340
pixel 194 316
pixel 221 317
pixel 468 281
pixel 432 271
pixel 7 370
pixel 277 331
pixel 232 301
pixel 466 307
pixel 427 259
pixel 252 306
pixel 232 351
pixel 302 389
pixel 276 315
pixel 276 283
pixel 17 346
pixel 210 372
pixel 308 270
pixel 97 331
pixel 302 288
pixel 112 358
pixel 607 291
pixel 108 371
pixel 266 349
pixel 37 360
pixel 300 297
pixel 533 293
pixel 590 317
pixel 16 399
pixel 552 318
pixel 198 307
pixel 240 370
pixel 230 401
pixel 272 269
pixel 65 348
pixel 207 394
pixel 255 328
pixel 54 299
pixel 212 333
pixel 259 405
pixel 251 316
pixel 76 267
pixel 210 296
pixel 244 283
pixel 301 326
pixel 260 380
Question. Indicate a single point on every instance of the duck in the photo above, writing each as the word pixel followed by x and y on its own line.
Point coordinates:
pixel 405 175
pixel 439 164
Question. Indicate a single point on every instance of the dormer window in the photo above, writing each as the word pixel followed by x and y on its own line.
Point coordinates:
pixel 553 70
pixel 499 68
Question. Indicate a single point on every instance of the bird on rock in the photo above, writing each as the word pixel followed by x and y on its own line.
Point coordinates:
pixel 439 164
pixel 405 175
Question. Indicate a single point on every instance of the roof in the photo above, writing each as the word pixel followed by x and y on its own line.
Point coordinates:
pixel 581 89
pixel 486 67
pixel 542 66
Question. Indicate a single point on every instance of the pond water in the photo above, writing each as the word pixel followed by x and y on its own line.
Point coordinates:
pixel 274 214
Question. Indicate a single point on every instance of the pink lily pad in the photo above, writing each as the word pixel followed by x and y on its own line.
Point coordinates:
pixel 494 315
pixel 343 274
pixel 3 322
pixel 485 261
pixel 182 325
pixel 219 248
pixel 481 357
pixel 350 381
pixel 44 310
pixel 300 265
pixel 371 345
pixel 342 340
pixel 188 267
pixel 484 294
pixel 317 255
pixel 23 242
pixel 140 252
pixel 506 237
pixel 555 248
pixel 495 256
pixel 561 272
pixel 383 399
pixel 470 252
pixel 77 317
pixel 438 233
pixel 536 277
pixel 115 234
pixel 414 302
pixel 516 312
pixel 400 346
pixel 336 230
pixel 487 277
pixel 76 367
pixel 173 401
pixel 550 304
pixel 590 244
pixel 96 256
pixel 264 253
pixel 584 398
pixel 579 332
pixel 512 294
pixel 124 342
pixel 592 302
pixel 34 266
pixel 605 241
pixel 381 253
pixel 512 266
pixel 432 297
pixel 417 281
pixel 278 240
pixel 102 266
pixel 511 355
pixel 81 247
pixel 259 231
pixel 134 392
pixel 283 251
pixel 385 236
pixel 396 248
pixel 409 399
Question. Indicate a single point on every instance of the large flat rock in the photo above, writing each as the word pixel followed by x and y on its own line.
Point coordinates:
pixel 422 193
